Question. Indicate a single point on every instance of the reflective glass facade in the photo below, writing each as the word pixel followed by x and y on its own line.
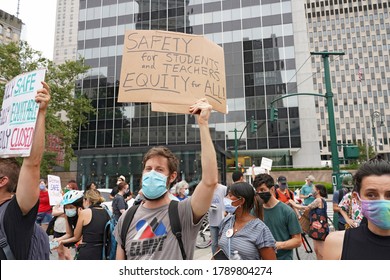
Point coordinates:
pixel 258 41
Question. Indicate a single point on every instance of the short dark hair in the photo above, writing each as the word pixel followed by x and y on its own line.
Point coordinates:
pixel 263 178
pixel 376 167
pixel 322 190
pixel 237 176
pixel 173 161
pixel 121 186
pixel 245 190
pixel 10 167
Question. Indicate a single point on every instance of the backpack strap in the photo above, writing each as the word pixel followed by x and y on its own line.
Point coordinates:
pixel 129 215
pixel 291 193
pixel 173 211
pixel 341 194
pixel 106 231
pixel 3 238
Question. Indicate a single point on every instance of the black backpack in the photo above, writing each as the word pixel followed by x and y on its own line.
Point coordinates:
pixel 39 247
pixel 173 213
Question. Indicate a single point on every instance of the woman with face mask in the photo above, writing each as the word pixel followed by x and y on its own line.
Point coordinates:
pixel 72 203
pixel 242 234
pixel 90 227
pixel 44 210
pixel 369 241
pixel 182 190
pixel 319 208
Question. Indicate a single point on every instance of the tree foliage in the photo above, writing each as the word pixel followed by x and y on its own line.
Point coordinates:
pixel 18 58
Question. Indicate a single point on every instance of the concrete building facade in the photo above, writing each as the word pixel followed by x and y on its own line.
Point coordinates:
pixel 65 37
pixel 360 78
pixel 10 28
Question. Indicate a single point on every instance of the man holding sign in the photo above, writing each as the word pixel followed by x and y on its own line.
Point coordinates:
pixel 149 235
pixel 18 215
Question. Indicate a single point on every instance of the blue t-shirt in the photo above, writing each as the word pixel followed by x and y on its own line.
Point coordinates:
pixel 305 190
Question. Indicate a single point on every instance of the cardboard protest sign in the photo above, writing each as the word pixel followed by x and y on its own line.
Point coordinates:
pixel 19 114
pixel 54 188
pixel 175 108
pixel 172 68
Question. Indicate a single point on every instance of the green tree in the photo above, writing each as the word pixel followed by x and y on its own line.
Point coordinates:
pixel 18 58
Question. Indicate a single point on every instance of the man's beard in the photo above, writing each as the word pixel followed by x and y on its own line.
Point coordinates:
pixel 155 199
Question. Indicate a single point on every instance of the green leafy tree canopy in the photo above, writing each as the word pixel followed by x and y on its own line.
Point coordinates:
pixel 18 58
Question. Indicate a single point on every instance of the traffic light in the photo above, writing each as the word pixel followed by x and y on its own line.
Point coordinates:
pixel 253 125
pixel 274 114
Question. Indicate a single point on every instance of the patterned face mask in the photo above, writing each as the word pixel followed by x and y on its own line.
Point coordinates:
pixel 377 212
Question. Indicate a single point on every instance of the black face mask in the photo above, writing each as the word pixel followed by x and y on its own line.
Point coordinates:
pixel 265 196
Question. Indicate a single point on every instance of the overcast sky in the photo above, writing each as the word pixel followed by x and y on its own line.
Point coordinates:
pixel 38 17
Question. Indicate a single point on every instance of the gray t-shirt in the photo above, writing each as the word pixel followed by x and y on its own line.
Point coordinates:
pixel 150 236
pixel 217 206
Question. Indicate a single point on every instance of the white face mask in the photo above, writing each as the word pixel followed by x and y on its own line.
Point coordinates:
pixel 228 205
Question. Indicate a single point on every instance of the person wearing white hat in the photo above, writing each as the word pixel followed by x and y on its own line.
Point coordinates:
pixel 115 188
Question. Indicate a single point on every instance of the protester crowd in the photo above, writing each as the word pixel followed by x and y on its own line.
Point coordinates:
pixel 247 222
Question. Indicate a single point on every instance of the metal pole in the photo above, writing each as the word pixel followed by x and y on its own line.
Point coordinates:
pixel 375 115
pixel 374 135
pixel 332 127
pixel 235 148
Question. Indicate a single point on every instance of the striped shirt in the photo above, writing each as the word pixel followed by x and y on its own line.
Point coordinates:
pixel 247 241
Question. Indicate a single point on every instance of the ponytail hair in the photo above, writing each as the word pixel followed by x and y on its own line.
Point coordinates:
pixel 258 207
pixel 94 197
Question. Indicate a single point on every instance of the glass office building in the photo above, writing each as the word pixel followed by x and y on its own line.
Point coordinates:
pixel 265 43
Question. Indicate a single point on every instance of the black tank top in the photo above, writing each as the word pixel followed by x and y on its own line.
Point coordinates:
pixel 93 232
pixel 361 244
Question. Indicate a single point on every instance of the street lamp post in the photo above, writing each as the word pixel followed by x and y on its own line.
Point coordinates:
pixel 375 115
pixel 332 127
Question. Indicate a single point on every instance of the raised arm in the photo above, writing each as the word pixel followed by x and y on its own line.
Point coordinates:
pixel 27 192
pixel 203 194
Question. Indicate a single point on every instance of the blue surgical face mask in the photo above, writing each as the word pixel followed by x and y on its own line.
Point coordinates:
pixel 70 212
pixel 186 192
pixel 377 212
pixel 228 205
pixel 154 185
pixel 42 187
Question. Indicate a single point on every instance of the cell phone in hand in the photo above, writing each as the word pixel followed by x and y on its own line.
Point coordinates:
pixel 220 255
pixel 53 244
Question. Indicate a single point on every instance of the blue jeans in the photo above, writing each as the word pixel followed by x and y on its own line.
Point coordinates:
pixel 43 218
pixel 214 232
